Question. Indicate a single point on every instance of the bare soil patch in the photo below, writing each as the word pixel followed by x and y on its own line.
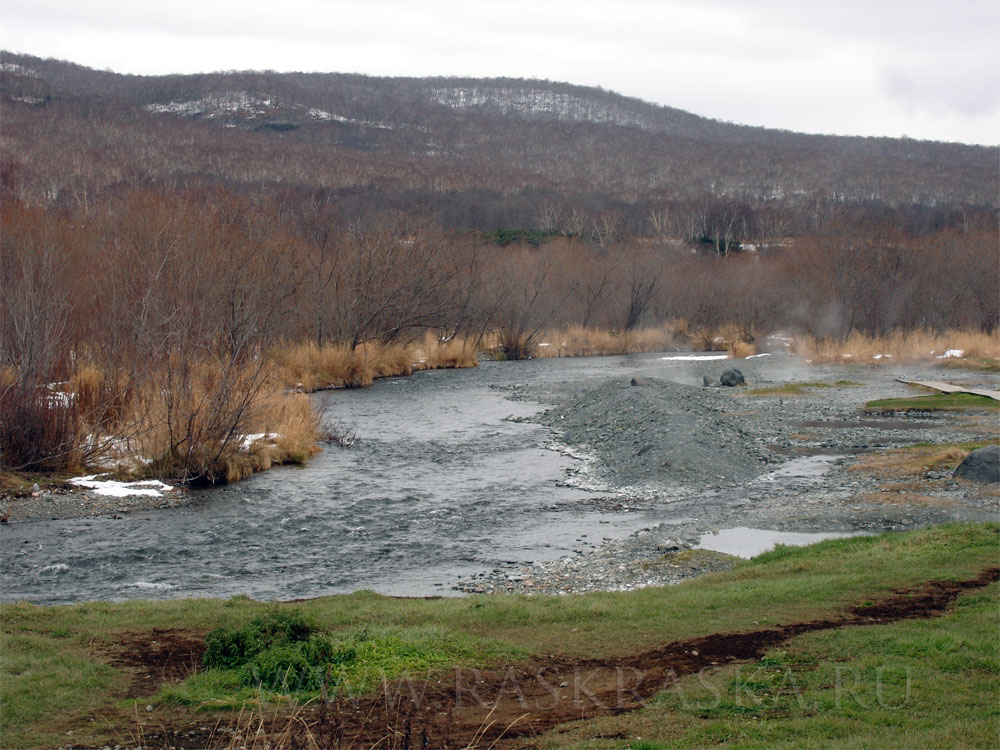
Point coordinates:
pixel 164 655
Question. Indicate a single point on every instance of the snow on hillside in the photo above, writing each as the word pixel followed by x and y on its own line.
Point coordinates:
pixel 249 106
pixel 18 70
pixel 537 101
pixel 217 105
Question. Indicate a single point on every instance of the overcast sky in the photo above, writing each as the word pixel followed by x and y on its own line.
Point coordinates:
pixel 921 68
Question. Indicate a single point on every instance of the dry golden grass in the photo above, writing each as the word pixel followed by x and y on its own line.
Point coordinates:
pixel 384 361
pixel 724 338
pixel 889 497
pixel 190 419
pixel 185 418
pixel 741 349
pixel 912 461
pixel 916 346
pixel 433 353
pixel 580 341
pixel 308 367
pixel 87 383
pixel 577 341
pixel 705 340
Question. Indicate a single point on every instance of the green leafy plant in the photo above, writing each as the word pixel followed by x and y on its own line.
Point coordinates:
pixel 296 667
pixel 232 648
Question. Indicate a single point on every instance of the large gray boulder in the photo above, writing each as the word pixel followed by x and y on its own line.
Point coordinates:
pixel 982 465
pixel 732 377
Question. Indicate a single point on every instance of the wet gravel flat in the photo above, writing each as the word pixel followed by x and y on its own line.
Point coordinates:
pixel 60 502
pixel 718 458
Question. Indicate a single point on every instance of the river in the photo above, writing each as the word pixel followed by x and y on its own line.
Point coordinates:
pixel 439 486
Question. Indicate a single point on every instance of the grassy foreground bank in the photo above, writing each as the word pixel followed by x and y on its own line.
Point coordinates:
pixel 93 669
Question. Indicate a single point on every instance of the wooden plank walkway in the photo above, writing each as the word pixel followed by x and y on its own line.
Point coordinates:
pixel 938 385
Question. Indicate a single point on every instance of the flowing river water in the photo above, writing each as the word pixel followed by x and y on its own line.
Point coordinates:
pixel 440 485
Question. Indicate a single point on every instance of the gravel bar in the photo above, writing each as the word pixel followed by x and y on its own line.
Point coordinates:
pixel 714 458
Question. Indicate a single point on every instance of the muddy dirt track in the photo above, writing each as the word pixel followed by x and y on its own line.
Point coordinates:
pixel 505 707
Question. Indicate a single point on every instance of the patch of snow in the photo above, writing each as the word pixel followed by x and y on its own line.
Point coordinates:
pixel 247 105
pixel 249 440
pixel 545 344
pixel 535 102
pixel 228 103
pixel 694 357
pixel 951 353
pixel 880 356
pixel 60 398
pixel 112 488
pixel 19 70
pixel 756 356
pixel 321 114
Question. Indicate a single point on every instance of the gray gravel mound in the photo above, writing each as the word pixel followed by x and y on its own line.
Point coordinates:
pixel 663 434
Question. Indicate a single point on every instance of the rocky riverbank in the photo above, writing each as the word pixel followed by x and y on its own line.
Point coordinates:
pixel 53 499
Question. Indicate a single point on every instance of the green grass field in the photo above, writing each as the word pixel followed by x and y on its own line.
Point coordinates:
pixel 60 670
pixel 788 389
pixel 933 402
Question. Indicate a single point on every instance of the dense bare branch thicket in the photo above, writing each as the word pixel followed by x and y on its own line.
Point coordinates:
pixel 149 321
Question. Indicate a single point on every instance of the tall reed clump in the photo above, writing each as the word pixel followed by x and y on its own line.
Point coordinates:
pixel 188 420
pixel 955 348
pixel 308 367
pixel 205 419
pixel 286 431
pixel 211 419
pixel 449 353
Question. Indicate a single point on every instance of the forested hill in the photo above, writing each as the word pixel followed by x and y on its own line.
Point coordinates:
pixel 475 139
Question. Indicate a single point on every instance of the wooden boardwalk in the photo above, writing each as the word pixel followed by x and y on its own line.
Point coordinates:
pixel 938 385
